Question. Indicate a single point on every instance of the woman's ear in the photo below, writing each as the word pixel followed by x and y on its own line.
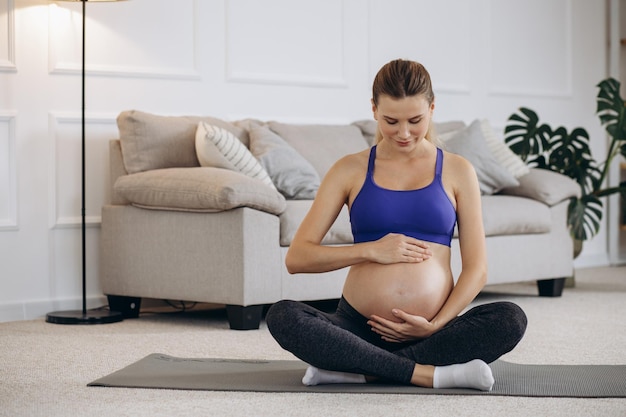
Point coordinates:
pixel 374 110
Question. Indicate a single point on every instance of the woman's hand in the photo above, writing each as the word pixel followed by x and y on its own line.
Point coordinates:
pixel 407 329
pixel 396 248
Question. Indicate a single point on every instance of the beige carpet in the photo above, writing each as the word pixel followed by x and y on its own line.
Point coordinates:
pixel 44 368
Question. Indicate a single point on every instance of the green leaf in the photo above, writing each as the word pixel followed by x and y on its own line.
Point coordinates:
pixel 525 136
pixel 611 110
pixel 584 216
pixel 570 155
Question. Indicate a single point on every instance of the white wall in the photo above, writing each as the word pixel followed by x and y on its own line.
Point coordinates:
pixel 293 61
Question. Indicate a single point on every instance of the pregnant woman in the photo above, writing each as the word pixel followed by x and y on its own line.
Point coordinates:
pixel 401 317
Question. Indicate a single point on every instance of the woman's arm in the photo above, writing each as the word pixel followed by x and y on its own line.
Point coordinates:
pixel 473 274
pixel 306 254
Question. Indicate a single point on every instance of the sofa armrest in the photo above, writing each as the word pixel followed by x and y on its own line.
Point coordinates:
pixel 116 170
pixel 546 186
pixel 198 189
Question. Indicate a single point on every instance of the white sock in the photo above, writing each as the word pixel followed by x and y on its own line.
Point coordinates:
pixel 316 376
pixel 473 374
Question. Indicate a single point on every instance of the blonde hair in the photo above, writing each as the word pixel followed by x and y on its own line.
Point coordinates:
pixel 402 78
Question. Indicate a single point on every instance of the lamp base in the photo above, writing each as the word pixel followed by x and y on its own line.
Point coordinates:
pixel 84 317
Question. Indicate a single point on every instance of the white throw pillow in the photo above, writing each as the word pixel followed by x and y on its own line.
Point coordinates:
pixel 217 147
pixel 502 153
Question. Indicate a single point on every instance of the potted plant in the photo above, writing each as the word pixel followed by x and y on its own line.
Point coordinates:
pixel 569 153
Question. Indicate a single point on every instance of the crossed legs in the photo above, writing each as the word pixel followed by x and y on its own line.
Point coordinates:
pixel 343 344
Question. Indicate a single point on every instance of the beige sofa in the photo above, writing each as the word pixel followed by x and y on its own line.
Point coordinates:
pixel 177 230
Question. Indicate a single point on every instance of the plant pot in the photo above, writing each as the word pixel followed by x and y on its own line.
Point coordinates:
pixel 578 247
pixel 570 282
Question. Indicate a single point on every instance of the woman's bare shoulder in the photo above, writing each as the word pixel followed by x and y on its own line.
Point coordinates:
pixel 459 175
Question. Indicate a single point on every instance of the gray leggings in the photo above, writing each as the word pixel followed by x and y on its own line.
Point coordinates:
pixel 342 341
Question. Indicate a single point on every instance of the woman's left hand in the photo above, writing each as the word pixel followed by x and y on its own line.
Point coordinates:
pixel 408 328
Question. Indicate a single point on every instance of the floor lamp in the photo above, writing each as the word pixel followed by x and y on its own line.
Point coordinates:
pixel 83 316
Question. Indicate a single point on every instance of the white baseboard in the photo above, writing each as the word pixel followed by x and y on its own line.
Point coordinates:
pixel 31 310
pixel 592 261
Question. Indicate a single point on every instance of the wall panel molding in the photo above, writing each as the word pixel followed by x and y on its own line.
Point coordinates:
pixel 64 185
pixel 249 60
pixel 8 175
pixel 65 61
pixel 519 69
pixel 447 59
pixel 7 36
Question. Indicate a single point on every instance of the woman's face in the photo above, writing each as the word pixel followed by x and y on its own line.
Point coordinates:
pixel 405 121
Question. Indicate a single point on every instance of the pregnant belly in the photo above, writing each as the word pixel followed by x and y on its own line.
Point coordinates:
pixel 420 289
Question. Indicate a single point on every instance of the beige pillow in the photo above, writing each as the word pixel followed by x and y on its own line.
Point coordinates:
pixel 198 189
pixel 151 141
pixel 217 147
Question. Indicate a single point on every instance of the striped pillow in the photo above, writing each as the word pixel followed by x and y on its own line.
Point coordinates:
pixel 219 148
pixel 503 154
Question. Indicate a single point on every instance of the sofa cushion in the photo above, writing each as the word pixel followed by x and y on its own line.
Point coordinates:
pixel 290 219
pixel 218 148
pixel 153 142
pixel 502 153
pixel 546 186
pixel 198 189
pixel 321 145
pixel 470 143
pixel 293 175
pixel 510 215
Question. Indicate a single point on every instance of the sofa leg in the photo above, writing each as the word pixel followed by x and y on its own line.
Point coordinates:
pixel 551 287
pixel 244 318
pixel 128 306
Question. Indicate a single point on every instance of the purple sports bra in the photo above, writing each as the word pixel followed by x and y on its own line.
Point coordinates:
pixel 426 213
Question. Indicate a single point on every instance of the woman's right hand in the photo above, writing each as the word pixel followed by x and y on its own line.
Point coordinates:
pixel 397 248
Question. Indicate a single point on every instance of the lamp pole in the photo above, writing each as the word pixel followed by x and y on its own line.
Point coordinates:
pixel 83 316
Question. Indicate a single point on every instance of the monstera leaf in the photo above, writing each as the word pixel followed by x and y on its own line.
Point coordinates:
pixel 525 136
pixel 570 155
pixel 584 216
pixel 611 111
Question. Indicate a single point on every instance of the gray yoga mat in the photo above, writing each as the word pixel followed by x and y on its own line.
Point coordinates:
pixel 168 372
